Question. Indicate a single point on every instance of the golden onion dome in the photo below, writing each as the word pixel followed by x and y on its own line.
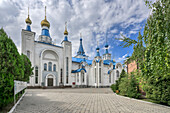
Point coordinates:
pixel 65 32
pixel 28 20
pixel 45 23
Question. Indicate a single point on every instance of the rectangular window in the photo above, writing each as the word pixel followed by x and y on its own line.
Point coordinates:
pixel 77 77
pixel 67 70
pixel 83 77
pixel 28 54
pixel 61 76
pixel 110 78
pixel 95 75
pixel 36 75
pixel 100 75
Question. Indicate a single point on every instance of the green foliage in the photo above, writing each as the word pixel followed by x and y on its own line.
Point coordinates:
pixel 123 86
pixel 11 68
pixel 126 41
pixel 27 68
pixel 153 61
pixel 129 87
pixel 114 87
pixel 156 68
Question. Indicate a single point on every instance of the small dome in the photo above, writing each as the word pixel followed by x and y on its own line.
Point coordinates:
pixel 28 21
pixel 65 32
pixel 45 23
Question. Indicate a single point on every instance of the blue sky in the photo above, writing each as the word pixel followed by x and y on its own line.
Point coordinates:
pixel 94 19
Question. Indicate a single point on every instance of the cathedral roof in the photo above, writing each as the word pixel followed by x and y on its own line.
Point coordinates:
pixel 79 70
pixel 81 50
pixel 79 60
pixel 107 62
pixel 48 44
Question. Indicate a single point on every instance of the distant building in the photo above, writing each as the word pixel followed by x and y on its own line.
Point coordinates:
pixel 55 66
pixel 131 66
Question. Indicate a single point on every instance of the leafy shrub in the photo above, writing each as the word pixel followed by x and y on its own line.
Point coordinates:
pixel 114 87
pixel 129 87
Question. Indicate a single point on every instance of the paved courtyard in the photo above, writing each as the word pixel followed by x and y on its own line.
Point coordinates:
pixel 87 100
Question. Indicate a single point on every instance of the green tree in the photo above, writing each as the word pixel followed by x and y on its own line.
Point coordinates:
pixel 133 87
pixel 116 86
pixel 11 68
pixel 154 59
pixel 123 86
pixel 27 68
pixel 156 70
pixel 128 86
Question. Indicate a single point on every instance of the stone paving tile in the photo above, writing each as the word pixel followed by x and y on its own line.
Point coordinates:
pixel 88 100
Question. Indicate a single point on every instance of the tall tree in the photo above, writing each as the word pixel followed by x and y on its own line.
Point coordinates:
pixel 27 67
pixel 154 59
pixel 11 68
pixel 156 70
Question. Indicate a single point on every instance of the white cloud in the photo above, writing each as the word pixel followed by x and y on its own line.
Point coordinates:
pixel 89 17
pixel 121 59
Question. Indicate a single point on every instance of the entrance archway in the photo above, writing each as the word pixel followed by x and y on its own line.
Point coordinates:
pixel 50 80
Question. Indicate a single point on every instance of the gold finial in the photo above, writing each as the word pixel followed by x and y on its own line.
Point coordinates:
pixel 65 32
pixel 80 35
pixel 28 11
pixel 45 12
pixel 45 22
pixel 28 21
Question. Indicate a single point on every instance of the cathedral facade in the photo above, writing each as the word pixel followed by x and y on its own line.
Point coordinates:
pixel 54 65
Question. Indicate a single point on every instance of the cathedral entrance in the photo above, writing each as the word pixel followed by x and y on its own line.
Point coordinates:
pixel 50 81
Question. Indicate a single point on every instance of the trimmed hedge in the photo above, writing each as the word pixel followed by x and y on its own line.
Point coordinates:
pixel 11 68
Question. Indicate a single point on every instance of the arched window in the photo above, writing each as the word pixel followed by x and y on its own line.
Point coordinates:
pixel 117 73
pixel 100 63
pixel 110 78
pixel 54 67
pixel 28 54
pixel 95 75
pixel 49 66
pixel 45 67
pixel 100 72
pixel 77 77
pixel 36 75
pixel 82 77
pixel 67 70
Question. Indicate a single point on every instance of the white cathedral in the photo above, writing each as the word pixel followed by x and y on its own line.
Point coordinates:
pixel 55 66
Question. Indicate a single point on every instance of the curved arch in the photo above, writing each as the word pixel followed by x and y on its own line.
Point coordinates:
pixel 118 65
pixel 42 52
pixel 50 75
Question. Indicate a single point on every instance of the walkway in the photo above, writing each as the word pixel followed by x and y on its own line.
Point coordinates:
pixel 87 100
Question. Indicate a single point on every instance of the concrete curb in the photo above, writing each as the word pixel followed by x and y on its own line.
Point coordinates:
pixel 141 101
pixel 13 108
